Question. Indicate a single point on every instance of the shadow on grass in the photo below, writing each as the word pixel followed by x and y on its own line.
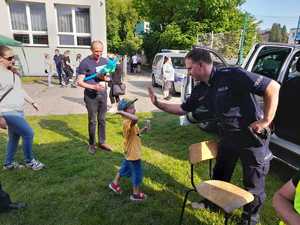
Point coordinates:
pixel 73 188
pixel 62 128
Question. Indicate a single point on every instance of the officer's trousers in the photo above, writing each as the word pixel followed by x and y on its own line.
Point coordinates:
pixel 255 163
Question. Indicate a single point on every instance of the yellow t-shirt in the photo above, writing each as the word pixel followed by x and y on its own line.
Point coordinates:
pixel 132 142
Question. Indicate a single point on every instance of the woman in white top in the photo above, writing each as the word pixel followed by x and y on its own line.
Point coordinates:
pixel 12 100
pixel 168 77
pixel 76 68
pixel 48 68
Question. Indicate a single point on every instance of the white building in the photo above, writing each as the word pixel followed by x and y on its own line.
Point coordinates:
pixel 294 36
pixel 44 25
pixel 142 27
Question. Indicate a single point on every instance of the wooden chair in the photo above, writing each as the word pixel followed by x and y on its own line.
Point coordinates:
pixel 224 195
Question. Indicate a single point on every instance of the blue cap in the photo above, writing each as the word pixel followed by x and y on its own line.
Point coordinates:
pixel 124 103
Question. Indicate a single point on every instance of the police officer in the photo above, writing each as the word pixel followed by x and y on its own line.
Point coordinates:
pixel 229 96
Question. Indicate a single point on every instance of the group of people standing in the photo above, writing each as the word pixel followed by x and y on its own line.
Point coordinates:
pixel 64 68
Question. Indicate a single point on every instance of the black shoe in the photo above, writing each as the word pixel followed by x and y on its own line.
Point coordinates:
pixel 245 222
pixel 17 205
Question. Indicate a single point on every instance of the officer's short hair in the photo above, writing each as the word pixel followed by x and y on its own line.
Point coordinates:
pixel 199 55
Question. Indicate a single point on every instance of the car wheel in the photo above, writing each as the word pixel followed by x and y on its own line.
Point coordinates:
pixel 154 84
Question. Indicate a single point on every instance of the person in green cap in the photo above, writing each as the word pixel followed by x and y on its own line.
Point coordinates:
pixel 131 165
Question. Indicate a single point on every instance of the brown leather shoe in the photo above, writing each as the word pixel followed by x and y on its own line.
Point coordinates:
pixel 92 149
pixel 105 147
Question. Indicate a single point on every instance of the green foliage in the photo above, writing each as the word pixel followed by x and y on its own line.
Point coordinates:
pixel 73 189
pixel 121 20
pixel 178 23
pixel 284 35
pixel 151 44
pixel 173 37
pixel 278 33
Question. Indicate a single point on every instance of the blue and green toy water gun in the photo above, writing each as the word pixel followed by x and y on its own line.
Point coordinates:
pixel 101 72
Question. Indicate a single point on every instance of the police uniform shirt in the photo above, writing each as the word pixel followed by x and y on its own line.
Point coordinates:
pixel 229 96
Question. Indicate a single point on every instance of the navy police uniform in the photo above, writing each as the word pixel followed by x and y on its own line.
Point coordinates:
pixel 229 97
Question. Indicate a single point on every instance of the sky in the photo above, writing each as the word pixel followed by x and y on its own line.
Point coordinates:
pixel 285 12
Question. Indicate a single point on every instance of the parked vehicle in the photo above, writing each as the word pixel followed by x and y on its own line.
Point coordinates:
pixel 280 62
pixel 177 57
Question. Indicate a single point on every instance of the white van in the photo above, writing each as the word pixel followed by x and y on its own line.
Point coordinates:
pixel 177 57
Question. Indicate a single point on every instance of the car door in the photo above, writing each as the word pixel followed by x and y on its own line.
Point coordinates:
pixel 158 74
pixel 155 69
pixel 287 120
pixel 189 83
pixel 270 61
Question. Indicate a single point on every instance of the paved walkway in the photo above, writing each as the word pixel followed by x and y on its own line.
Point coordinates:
pixel 61 101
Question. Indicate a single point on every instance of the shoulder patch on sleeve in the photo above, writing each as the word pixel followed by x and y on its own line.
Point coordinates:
pixel 258 81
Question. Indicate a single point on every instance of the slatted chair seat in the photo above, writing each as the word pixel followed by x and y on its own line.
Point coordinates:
pixel 225 195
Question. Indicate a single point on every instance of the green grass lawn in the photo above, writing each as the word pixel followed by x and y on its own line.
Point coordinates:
pixel 73 188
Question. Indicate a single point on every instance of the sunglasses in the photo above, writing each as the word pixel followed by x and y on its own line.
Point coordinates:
pixel 9 58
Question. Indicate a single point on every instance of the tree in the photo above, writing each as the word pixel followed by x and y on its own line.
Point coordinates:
pixel 284 35
pixel 122 18
pixel 178 23
pixel 275 33
pixel 278 33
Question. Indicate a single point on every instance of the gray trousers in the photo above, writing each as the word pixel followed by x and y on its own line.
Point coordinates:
pixel 96 108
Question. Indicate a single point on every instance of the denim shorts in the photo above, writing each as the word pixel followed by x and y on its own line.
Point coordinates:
pixel 133 169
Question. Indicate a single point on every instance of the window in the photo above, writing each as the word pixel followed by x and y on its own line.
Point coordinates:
pixel 156 60
pixel 270 60
pixel 73 25
pixel 293 68
pixel 217 61
pixel 28 22
pixel 178 62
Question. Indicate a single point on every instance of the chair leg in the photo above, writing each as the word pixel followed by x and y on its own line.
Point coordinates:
pixel 184 203
pixel 226 218
pixel 249 219
pixel 210 169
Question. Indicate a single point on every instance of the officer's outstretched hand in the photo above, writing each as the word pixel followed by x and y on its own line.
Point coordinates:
pixel 152 96
pixel 259 125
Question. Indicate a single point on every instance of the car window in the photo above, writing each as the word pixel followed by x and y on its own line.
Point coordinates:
pixel 218 63
pixel 178 62
pixel 293 68
pixel 270 60
pixel 156 60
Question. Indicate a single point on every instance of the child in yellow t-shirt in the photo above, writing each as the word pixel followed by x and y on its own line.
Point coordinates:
pixel 131 165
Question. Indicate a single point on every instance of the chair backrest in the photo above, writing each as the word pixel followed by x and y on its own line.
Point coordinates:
pixel 202 151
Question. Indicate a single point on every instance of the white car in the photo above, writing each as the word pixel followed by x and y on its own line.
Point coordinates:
pixel 177 57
